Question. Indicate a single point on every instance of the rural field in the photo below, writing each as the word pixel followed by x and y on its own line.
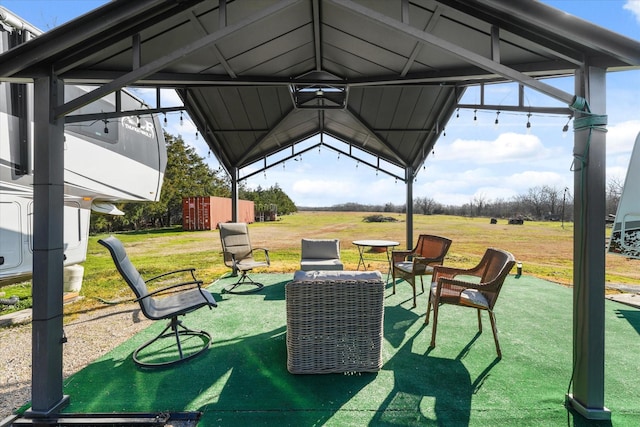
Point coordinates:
pixel 544 248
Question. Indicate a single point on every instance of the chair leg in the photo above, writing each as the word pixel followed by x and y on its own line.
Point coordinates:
pixel 434 328
pixel 479 320
pixel 243 280
pixel 426 319
pixel 413 285
pixel 393 278
pixel 177 330
pixel 492 318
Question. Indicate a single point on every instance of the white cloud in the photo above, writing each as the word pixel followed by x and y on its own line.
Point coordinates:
pixel 621 137
pixel 634 7
pixel 523 181
pixel 507 147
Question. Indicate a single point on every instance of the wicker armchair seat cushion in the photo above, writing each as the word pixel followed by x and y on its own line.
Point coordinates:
pixel 334 326
pixel 407 267
pixel 473 298
pixel 337 275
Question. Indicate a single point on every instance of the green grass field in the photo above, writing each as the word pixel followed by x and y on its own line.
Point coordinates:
pixel 544 248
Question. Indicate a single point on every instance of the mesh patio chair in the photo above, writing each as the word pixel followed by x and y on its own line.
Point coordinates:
pixel 168 302
pixel 409 264
pixel 238 255
pixel 481 294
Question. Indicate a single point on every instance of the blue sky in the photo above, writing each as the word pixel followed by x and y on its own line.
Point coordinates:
pixel 474 160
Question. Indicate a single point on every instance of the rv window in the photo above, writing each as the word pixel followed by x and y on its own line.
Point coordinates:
pixel 103 130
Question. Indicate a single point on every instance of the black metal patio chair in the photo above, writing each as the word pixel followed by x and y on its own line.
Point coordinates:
pixel 168 302
pixel 239 256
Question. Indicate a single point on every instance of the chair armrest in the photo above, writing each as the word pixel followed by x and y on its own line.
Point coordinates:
pixel 400 255
pixel 198 284
pixel 229 259
pixel 427 261
pixel 191 283
pixel 191 270
pixel 441 271
pixel 266 254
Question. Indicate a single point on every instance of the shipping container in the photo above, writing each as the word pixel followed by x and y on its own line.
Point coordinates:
pixel 205 212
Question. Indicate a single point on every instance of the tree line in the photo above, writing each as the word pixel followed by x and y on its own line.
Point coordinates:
pixel 539 203
pixel 186 175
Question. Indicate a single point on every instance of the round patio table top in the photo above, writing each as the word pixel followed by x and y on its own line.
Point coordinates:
pixel 375 243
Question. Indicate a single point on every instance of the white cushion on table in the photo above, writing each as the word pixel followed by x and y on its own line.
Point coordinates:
pixel 336 275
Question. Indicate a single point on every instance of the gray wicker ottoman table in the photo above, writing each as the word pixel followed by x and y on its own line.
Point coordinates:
pixel 334 322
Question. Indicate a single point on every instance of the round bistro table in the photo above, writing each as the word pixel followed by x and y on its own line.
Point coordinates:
pixel 388 245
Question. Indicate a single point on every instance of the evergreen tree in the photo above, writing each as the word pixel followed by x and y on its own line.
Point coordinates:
pixel 187 175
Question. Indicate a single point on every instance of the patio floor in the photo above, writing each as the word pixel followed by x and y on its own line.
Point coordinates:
pixel 243 380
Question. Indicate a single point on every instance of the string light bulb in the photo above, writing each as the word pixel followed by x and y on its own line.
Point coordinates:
pixel 139 121
pixel 565 128
pixel 458 113
pixel 165 119
pixel 529 123
pixel 497 122
pixel 475 117
pixel 106 129
pixel 181 121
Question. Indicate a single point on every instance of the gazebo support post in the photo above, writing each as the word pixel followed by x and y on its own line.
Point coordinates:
pixel 409 180
pixel 48 251
pixel 587 397
pixel 235 195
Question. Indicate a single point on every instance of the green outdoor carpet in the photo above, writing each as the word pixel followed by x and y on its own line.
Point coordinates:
pixel 243 380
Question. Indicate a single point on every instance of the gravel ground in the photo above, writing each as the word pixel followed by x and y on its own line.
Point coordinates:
pixel 89 336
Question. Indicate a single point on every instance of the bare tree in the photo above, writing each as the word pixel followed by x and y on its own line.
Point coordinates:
pixel 425 205
pixel 614 191
pixel 479 202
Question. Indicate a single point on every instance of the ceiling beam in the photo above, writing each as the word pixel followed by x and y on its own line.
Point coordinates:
pixel 435 17
pixel 451 48
pixel 436 77
pixel 203 33
pixel 259 141
pixel 67 39
pixel 381 140
pixel 168 59
pixel 317 34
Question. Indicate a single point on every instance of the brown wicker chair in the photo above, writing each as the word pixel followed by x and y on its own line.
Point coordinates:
pixel 482 295
pixel 429 251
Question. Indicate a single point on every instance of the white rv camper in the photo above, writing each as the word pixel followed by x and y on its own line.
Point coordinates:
pixel 108 161
pixel 625 234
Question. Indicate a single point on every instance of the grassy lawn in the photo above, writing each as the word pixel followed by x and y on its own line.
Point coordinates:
pixel 544 248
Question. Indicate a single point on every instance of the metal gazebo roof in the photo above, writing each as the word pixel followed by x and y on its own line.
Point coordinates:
pixel 259 76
